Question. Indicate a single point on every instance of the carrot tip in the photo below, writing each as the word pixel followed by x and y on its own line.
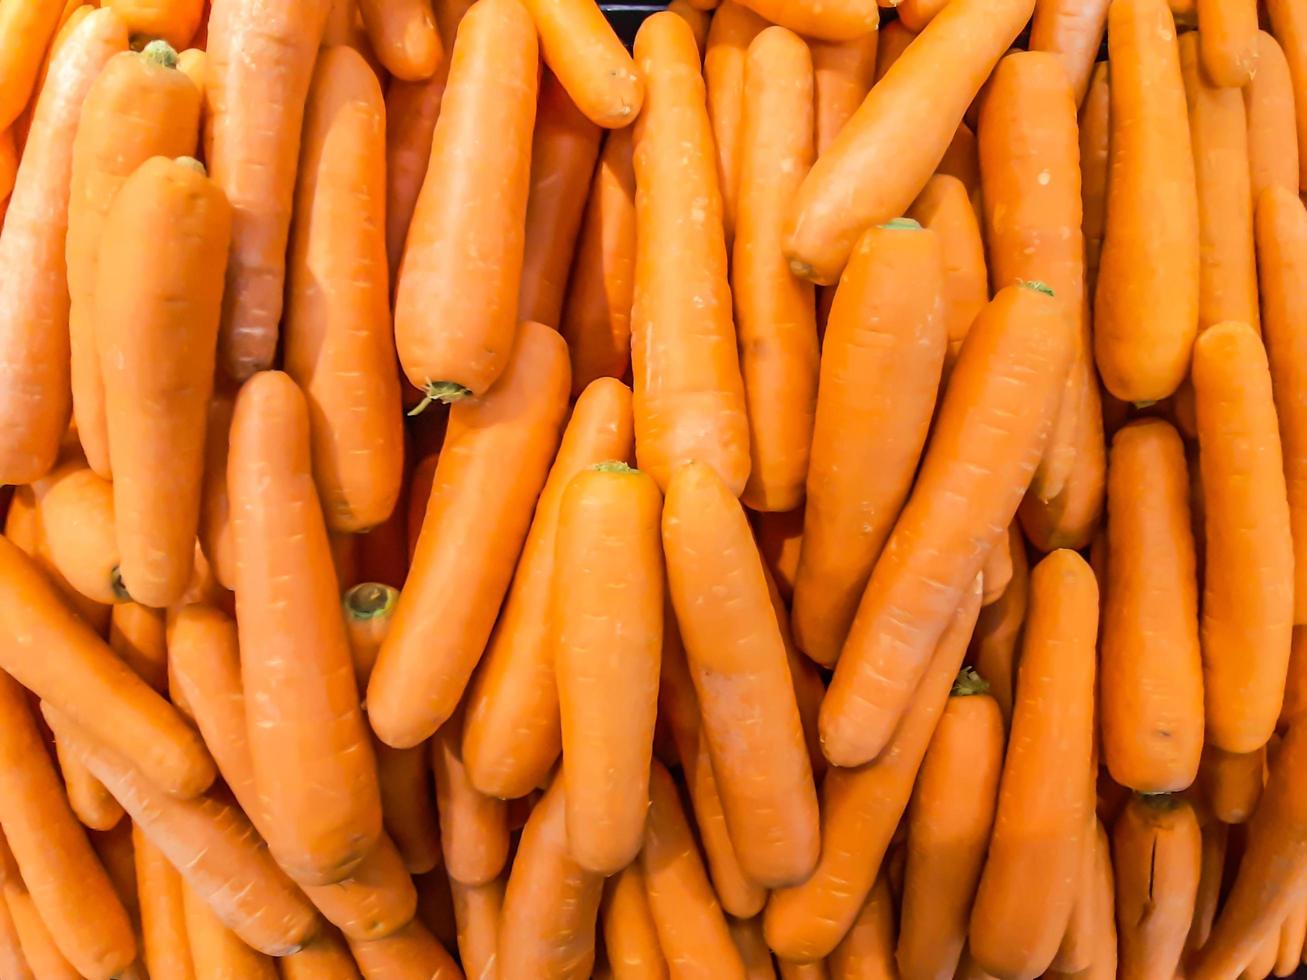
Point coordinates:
pixel 968 683
pixel 614 466
pixel 902 224
pixel 370 600
pixel 1037 286
pixel 161 53
pixel 440 391
pixel 118 586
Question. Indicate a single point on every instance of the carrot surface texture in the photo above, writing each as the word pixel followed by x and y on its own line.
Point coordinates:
pixel 405 37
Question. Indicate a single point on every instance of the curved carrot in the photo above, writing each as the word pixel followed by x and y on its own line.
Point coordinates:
pixel 944 206
pixel 842 75
pixel 842 20
pixel 1071 519
pixel 1035 853
pixel 291 637
pixel 881 360
pixel 1152 685
pixel 1228 35
pixel 867 950
pixel 1094 127
pixel 477 910
pixel 861 810
pixel 1100 891
pixel 596 313
pixel 564 149
pixel 547 925
pixel 89 800
pixel 408 805
pixel 174 21
pixel 996 573
pixel 1073 31
pixel 473 826
pixel 998 630
pixel 733 28
pixel 405 37
pixel 630 936
pixel 1076 951
pixel 139 107
pixel 1272 139
pixel 167 952
pixel 216 951
pixel 691 929
pixel 26 30
pixel 260 66
pixel 78 523
pixel 454 591
pixel 689 396
pixel 37 945
pixel 1146 303
pixel 325 957
pixel 1232 782
pixel 411 952
pixel 990 431
pixel 34 351
pixel 1248 580
pixel 455 301
pixel 899 134
pixel 412 109
pixel 421 481
pixel 1289 26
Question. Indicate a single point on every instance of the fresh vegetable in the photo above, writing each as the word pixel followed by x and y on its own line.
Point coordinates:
pixel 733 28
pixel 167 951
pixel 1272 138
pixel 404 36
pixel 1228 32
pixel 1074 32
pixel 842 20
pixel 842 75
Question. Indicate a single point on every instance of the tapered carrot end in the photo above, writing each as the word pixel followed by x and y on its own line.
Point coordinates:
pixel 444 392
pixel 969 683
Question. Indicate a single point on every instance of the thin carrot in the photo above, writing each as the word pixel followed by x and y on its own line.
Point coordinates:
pixel 1035 854
pixel 989 433
pixel 173 21
pixel 215 508
pixel 408 806
pixel 895 136
pixel 1289 26
pixel 216 951
pixel 436 904
pixel 1263 960
pixel 411 112
pixel 1076 951
pixel 8 166
pixel 419 496
pixel 1071 519
pixel 1248 579
pixel 1094 127
pixel 78 531
pixel 630 936
pixel 995 645
pixel 1208 895
pixel 861 810
pixel 1073 31
pixel 404 36
pixel 411 952
pixel 733 28
pixel 473 826
pixel 477 911
pixel 325 957
pixel 1232 782
pixel 454 589
pixel 455 301
pixel 779 536
pixel 697 20
pixel 842 75
pixel 747 934
pixel 368 608
pixel 916 14
pixel 843 20
pixel 1292 935
pixel 37 945
pixel 1103 965
pixel 944 206
pixel 26 29
pixel 163 925
pixel 33 290
pixel 12 961
pixel 136 634
pixel 996 573
pixel 564 149
pixel 1272 139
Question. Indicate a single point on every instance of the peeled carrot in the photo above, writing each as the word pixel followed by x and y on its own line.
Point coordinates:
pixel 325 957
pixel 260 66
pixel 411 952
pixel 1152 685
pixel 216 951
pixel 37 945
pixel 843 20
pixel 1289 26
pixel 1248 579
pixel 78 521
pixel 26 29
pixel 163 924
pixel 1272 139
pixel 411 112
pixel 551 904
pixel 33 291
pixel 1146 304
pixel 448 606
pixel 477 910
pixel 899 134
pixel 944 207
pixel 630 936
pixel 1228 32
pixel 733 28
pixel 563 153
pixel 1074 32
pixel 325 817
pixel 174 21
pixel 1232 782
pixel 405 37
pixel 1035 853
pixel 456 298
pixel 861 809
pixel 989 432
pixel 473 826
pixel 1094 127
pixel 842 75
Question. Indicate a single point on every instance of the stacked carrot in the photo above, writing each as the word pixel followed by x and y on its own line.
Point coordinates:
pixel 795 498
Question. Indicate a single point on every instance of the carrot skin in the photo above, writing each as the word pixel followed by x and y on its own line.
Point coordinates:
pixel 630 936
pixel 473 826
pixel 1074 32
pixel 166 950
pixel 477 910
pixel 733 28
pixel 841 21
pixel 842 77
pixel 411 952
pixel 1272 135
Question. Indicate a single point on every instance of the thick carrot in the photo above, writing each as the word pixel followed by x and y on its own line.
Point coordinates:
pixel 163 925
pixel 596 313
pixel 689 396
pixel 1146 304
pixel 408 806
pixel 691 929
pixel 733 28
pixel 1289 25
pixel 411 112
pixel 551 904
pixel 944 206
pixel 42 956
pixel 34 351
pixel 215 508
pixel 989 433
pixel 738 661
pixel 260 66
pixel 1281 261
pixel 405 37
pixel 26 29
pixel 411 952
pixel 216 952
pixel 324 957
pixel 1208 895
pixel 325 816
pixel 1248 580
pixel 747 935
pixel 842 75
pixel 1232 782
pixel 1035 854
pixel 564 149
pixel 1228 35
pixel 455 301
pixel 1152 685
pixel 1074 31
pixel 1272 139
pixel 78 531
pixel 1094 127
pixel 842 20
pixel 448 606
pixel 899 134
pixel 174 21
pixel 630 936
pixel 139 107
pixel 861 810
pixel 477 910
pixel 473 826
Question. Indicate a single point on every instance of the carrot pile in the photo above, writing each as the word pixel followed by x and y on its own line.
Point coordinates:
pixel 818 494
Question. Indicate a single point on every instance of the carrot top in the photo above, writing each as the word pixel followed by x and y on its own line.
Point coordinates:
pixel 444 392
pixel 161 53
pixel 1036 285
pixel 968 683
pixel 370 600
pixel 1161 802
pixel 614 466
pixel 903 224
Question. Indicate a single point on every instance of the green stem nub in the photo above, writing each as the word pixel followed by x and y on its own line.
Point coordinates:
pixel 161 53
pixel 614 466
pixel 902 224
pixel 1162 802
pixel 440 391
pixel 969 683
pixel 118 586
pixel 370 600
pixel 1036 285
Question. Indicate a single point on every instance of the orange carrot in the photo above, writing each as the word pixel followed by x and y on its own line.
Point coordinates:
pixel 779 536
pixel 944 206
pixel 408 807
pixel 1292 935
pixel 405 37
pixel 34 352
pixel 477 910
pixel 216 951
pixel 8 168
pixel 1211 872
pixel 436 904
pixel 1272 139
pixel 419 496
pixel 1248 579
pixel 996 573
pixel 1146 304
pixel 1076 951
pixel 163 925
pixel 894 40
pixel 174 21
pixel 455 301
pixel 1103 964
pixel 87 797
pixel 697 20
pixel 78 531
pixel 842 76
pixel 843 20
pixel 375 901
pixel 473 826
pixel 1036 870
pixel 1289 25
pixel 747 934
pixel 411 112
pixel 454 589
pixel 12 961
pixel 1232 782
pixel 136 634
pixel 215 509
pixel 899 134
pixel 339 346
pixel 325 957
pixel 1093 168
pixel 733 28
pixel 867 951
pixel 1228 32
pixel 1071 519
pixel 411 952
pixel 39 951
pixel 630 936
pixel 260 66
pixel 990 430
pixel 1073 31
pixel 369 608
pixel 998 630
pixel 916 14
pixel 563 153
pixel 26 29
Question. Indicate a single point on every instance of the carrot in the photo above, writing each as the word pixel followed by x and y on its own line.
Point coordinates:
pixel 990 431
pixel 596 313
pixel 809 685
pixel 215 508
pixel 1248 579
pixel 419 495
pixel 218 952
pixel 773 822
pixel 1232 782
pixel 1076 951
pixel 792 970
pixel 457 589
pixel 944 207
pixel 209 842
pixel 895 37
pixel 861 809
pixel 1094 127
pixel 325 957
pixel 733 28
pixel 893 135
pixel 476 910
pixel 689 396
pixel 630 936
pixel 173 21
pixel 163 925
pixel 779 536
pixel 260 66
pixel 691 929
pixel 564 149
pixel 291 637
pixel 1272 140
pixel 408 807
pixel 69 887
pixel 843 20
pixel 995 644
pixel 747 935
pixel 547 926
pixel 1289 948
pixel 842 75
pixel 996 573
pixel 1230 50
pixel 1208 894
pixel 1282 259
pixel 38 948
pixel 139 107
pixel 375 901
pixel 1103 965
pixel 194 64
pixel 867 951
pixel 33 293
pixel 1035 853
pixel 1289 26
pixel 1263 960
pixel 405 37
pixel 1071 519
pixel 697 20
pixel 410 952
pixel 916 14
pixel 1074 32
pixel 1152 684
pixel 436 904
pixel 511 738
pixel 136 634
pixel 383 551
pixel 8 167
pixel 87 797
pixel 26 29
pixel 473 826
pixel 454 325
pixel 78 524
pixel 12 960
pixel 411 112
pixel 368 609
pixel 1146 304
